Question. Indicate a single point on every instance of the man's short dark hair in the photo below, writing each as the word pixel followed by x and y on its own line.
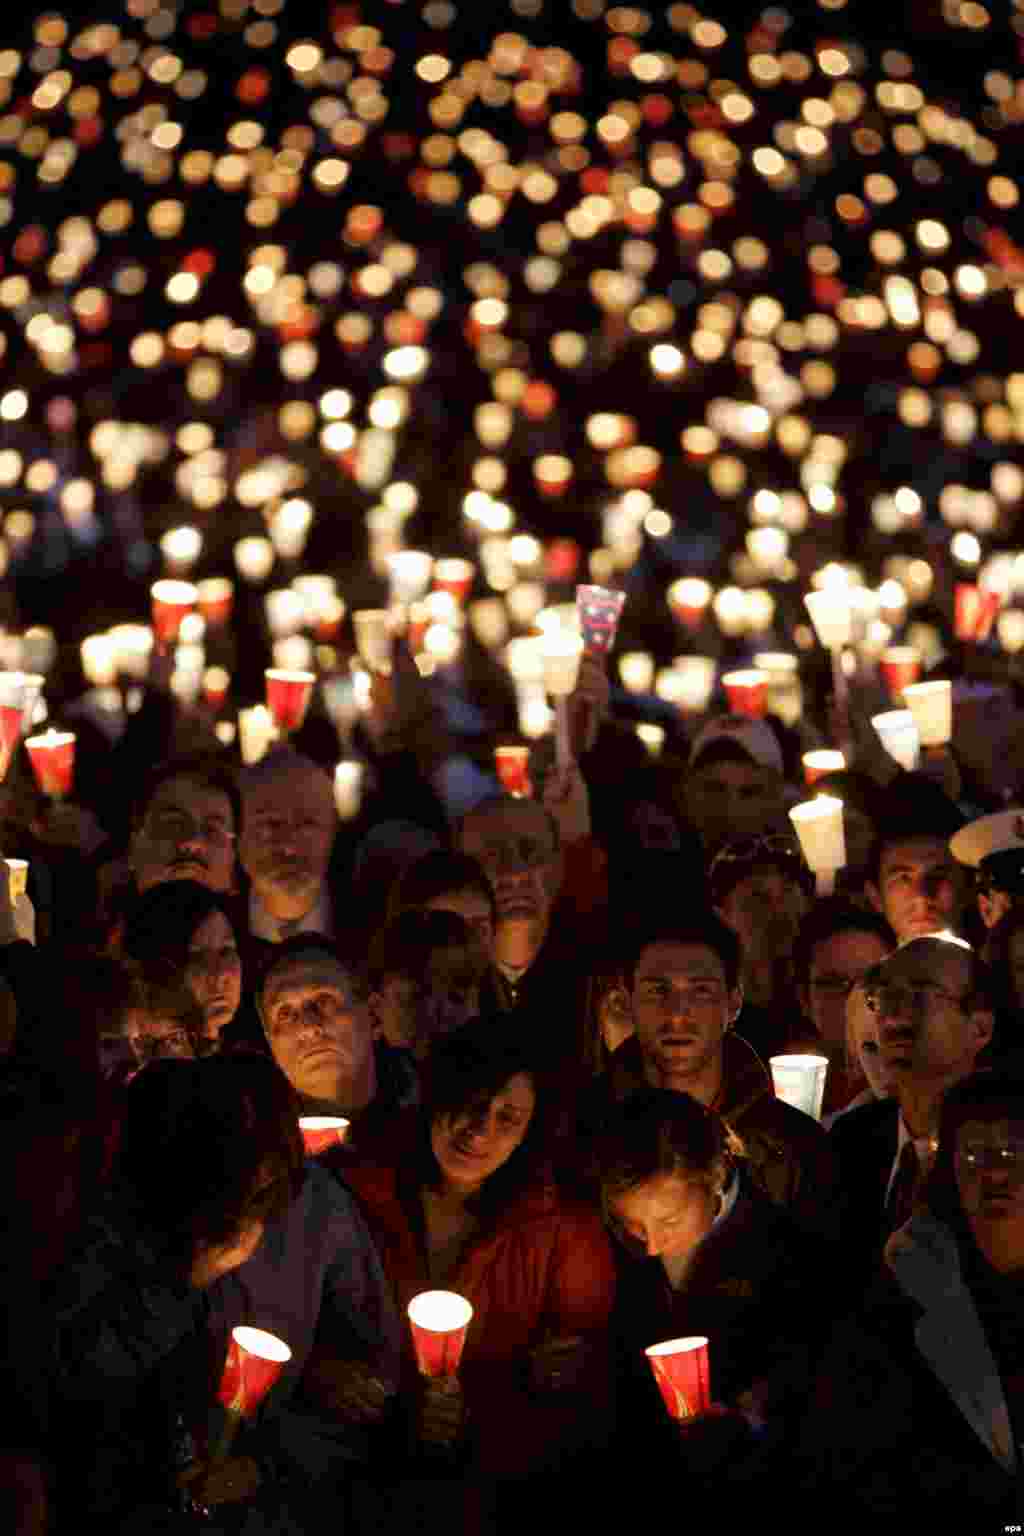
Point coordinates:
pixel 706 930
pixel 406 945
pixel 205 769
pixel 914 807
pixel 826 919
pixel 441 872
pixel 278 956
pixel 657 1132
pixel 504 803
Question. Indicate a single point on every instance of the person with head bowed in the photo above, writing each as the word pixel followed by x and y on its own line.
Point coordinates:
pixel 212 1220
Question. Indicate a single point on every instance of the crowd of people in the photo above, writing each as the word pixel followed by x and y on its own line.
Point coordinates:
pixel 547 1021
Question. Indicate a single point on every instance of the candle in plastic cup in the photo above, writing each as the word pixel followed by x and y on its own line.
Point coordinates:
pixel 12 703
pixel 348 788
pixel 636 670
pixel 216 682
pixel 52 756
pixel 256 733
pixel 171 601
pixel 561 652
pixel 321 1132
pixel 696 682
pixel 454 576
pixel 974 611
pixel 652 736
pixel 688 599
pixel 32 685
pixel 897 730
pixel 512 765
pixel 931 705
pixel 215 596
pixel 747 692
pixel 17 878
pixel 899 665
pixel 683 1375
pixel 133 647
pixel 817 764
pixel 439 1320
pixel 254 558
pixel 800 1081
pixel 599 611
pixel 255 1361
pixel 99 660
pixel 181 548
pixel 372 627
pixel 409 574
pixel 288 696
pixel 819 826
pixel 830 615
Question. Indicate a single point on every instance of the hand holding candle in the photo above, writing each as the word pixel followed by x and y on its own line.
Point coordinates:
pixel 254 1363
pixel 439 1321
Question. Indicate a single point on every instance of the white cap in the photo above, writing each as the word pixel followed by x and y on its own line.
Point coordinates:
pixel 1002 832
pixel 754 737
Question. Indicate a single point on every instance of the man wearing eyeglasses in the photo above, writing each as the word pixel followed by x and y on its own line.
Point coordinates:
pixel 931 1001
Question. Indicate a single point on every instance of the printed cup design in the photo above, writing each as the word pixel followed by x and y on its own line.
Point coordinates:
pixel 255 1361
pixel 681 1370
pixel 599 609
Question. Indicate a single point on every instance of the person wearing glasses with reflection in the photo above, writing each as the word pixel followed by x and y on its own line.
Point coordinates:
pixel 918 1403
pixel 931 1001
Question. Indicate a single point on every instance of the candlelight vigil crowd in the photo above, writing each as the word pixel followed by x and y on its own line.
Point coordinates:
pixel 511 767
pixel 709 1124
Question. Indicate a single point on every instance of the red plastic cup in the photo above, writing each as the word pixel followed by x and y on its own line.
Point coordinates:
pixel 599 609
pixel 321 1132
pixel 53 761
pixel 512 765
pixel 561 560
pixel 900 665
pixel 439 1320
pixel 288 696
pixel 455 577
pixel 681 1370
pixel 216 595
pixel 172 601
pixel 818 764
pixel 975 610
pixel 255 1361
pixel 747 692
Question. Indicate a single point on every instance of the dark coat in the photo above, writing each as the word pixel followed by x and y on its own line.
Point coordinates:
pixel 908 1416
pixel 788 1153
pixel 864 1146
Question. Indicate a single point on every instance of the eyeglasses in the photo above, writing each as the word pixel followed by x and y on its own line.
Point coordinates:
pixel 911 1001
pixel 834 985
pixel 983 1156
pixel 177 826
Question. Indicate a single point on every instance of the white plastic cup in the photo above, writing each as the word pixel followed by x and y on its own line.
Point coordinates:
pixel 800 1081
pixel 897 730
pixel 931 705
pixel 819 826
pixel 372 628
pixel 831 617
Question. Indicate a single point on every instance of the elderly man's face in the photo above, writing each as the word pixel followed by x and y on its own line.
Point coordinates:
pixel 516 846
pixel 929 1026
pixel 187 833
pixel 319 1030
pixel 288 829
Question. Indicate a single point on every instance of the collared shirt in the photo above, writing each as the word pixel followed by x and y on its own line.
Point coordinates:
pixel 319 919
pixel 677 1268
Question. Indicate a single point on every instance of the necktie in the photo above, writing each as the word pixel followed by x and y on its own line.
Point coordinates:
pixel 904 1187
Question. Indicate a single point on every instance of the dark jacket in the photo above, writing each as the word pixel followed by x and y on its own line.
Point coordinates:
pixel 864 1146
pixel 909 1415
pixel 133 1345
pixel 788 1153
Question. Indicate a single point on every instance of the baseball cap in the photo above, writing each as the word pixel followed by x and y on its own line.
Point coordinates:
pixel 755 738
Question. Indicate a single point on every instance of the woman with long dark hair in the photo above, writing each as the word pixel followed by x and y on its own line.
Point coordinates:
pixel 467 1202
pixel 179 929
